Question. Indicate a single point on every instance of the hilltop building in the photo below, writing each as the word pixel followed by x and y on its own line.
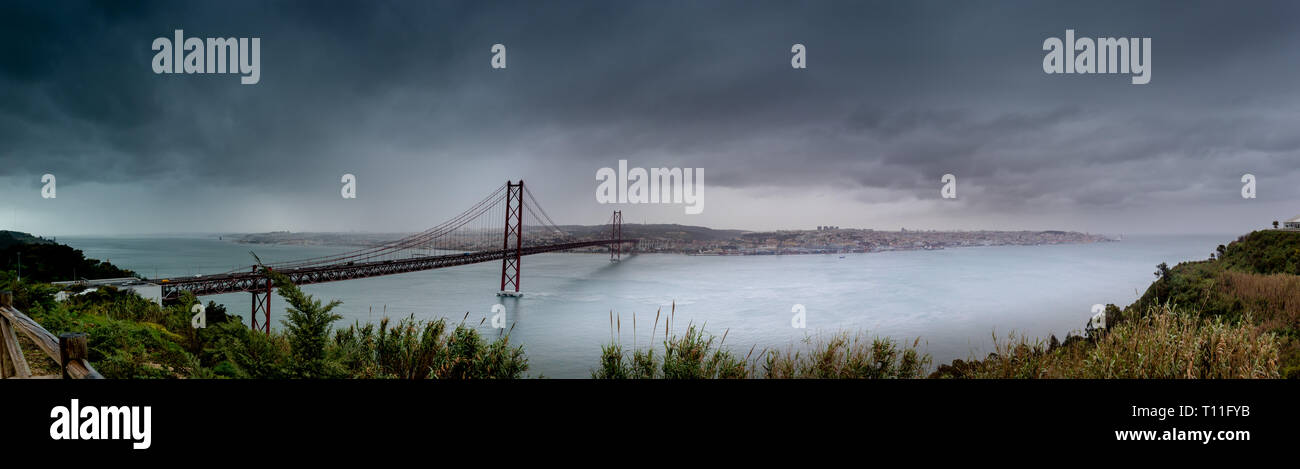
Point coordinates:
pixel 1293 224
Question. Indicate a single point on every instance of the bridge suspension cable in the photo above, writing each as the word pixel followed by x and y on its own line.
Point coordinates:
pixel 472 229
pixel 424 237
pixel 545 219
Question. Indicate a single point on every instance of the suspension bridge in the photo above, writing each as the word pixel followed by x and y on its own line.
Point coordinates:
pixel 474 236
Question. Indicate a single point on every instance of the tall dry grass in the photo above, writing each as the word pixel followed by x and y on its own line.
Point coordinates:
pixel 1273 300
pixel 1163 344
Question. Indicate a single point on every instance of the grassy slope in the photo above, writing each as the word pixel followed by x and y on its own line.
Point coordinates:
pixel 1237 315
pixel 1255 279
pixel 46 261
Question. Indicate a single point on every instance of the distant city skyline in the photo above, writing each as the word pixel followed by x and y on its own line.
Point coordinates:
pixel 894 97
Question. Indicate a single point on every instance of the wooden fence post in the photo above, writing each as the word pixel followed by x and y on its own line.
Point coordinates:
pixel 72 346
pixel 13 350
pixel 4 354
pixel 6 299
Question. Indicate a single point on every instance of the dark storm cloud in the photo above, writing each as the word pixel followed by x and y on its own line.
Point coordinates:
pixel 896 95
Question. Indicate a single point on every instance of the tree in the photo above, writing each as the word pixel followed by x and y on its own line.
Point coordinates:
pixel 1162 271
pixel 307 326
pixel 1275 224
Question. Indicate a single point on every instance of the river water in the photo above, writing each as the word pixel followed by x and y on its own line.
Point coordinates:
pixel 953 299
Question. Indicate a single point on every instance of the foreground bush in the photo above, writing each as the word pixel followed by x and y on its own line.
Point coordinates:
pixel 849 357
pixel 694 355
pixel 425 349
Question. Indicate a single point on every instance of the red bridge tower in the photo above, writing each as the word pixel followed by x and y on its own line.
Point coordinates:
pixel 515 229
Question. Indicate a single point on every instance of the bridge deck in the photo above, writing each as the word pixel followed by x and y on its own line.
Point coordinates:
pixel 254 281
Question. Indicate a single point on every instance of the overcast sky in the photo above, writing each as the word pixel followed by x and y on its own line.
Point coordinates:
pixel 895 95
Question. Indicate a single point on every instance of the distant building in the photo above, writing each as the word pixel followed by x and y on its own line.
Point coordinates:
pixel 1293 223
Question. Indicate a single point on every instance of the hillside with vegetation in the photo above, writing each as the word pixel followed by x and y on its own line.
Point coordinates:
pixel 43 260
pixel 1254 280
pixel 1234 315
pixel 131 337
pixel 12 238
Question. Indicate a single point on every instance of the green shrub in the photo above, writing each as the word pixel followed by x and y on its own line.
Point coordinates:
pixel 695 355
pixel 240 352
pixel 849 357
pixel 423 349
pixel 307 328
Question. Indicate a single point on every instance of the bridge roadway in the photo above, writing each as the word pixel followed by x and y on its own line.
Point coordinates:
pixel 254 281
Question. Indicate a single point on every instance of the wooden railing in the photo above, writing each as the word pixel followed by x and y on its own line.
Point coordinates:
pixel 69 350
